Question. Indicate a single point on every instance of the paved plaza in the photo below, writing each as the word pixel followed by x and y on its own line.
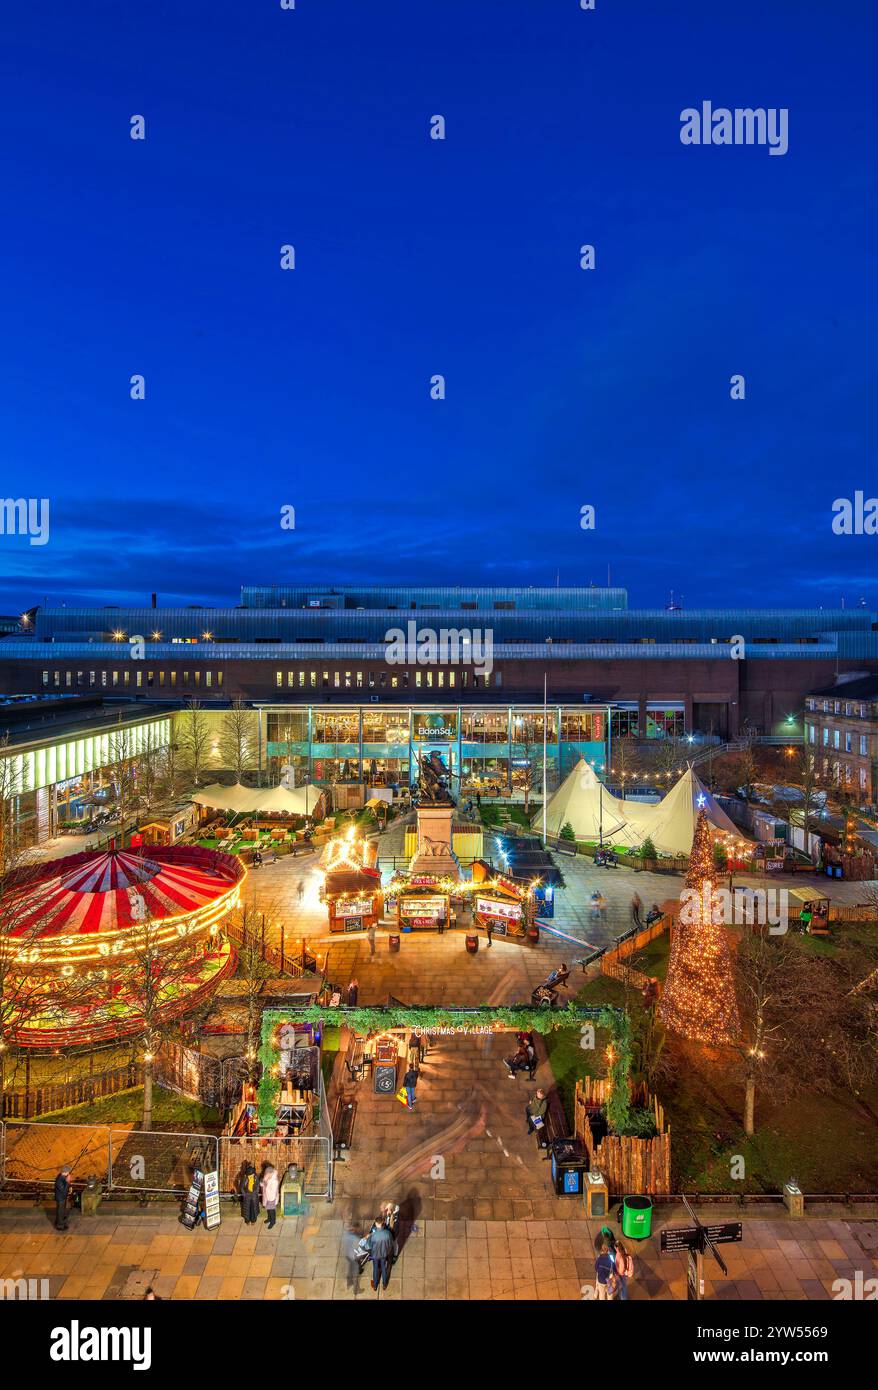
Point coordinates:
pixel 120 1252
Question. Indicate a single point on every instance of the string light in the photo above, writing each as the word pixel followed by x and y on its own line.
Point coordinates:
pixel 699 999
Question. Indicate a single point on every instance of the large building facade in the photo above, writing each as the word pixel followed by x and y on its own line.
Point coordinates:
pixel 351 685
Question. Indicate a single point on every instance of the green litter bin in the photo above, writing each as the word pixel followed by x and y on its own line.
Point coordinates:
pixel 636 1217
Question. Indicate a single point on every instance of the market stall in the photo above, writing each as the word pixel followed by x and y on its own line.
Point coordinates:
pixel 423 904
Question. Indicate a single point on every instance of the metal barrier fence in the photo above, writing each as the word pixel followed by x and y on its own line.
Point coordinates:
pixel 31 1155
pixel 135 1160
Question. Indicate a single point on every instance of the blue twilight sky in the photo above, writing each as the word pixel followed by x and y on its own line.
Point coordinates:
pixel 311 388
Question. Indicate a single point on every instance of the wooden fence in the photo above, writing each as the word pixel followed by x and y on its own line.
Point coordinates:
pixel 45 1100
pixel 281 960
pixel 613 962
pixel 628 1164
pixel 852 912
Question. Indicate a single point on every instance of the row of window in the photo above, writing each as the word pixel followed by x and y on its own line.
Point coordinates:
pixel 852 708
pixel 135 677
pixel 386 680
pixel 832 738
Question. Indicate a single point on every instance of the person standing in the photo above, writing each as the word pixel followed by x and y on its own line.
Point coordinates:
pixel 410 1081
pixel 62 1196
pixel 353 993
pixel 604 1274
pixel 249 1195
pixel 380 1250
pixel 370 936
pixel 489 931
pixel 414 1052
pixel 636 905
pixel 269 1190
pixel 624 1270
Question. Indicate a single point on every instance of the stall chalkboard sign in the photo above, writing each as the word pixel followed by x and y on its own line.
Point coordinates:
pixel 353 923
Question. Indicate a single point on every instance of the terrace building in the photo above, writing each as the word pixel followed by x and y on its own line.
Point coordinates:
pixel 312 665
pixel 841 729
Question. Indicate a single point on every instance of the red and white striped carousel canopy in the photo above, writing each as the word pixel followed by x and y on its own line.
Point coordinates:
pixel 112 891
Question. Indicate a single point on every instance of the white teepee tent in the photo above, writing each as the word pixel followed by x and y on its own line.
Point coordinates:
pixel 580 801
pixel 670 824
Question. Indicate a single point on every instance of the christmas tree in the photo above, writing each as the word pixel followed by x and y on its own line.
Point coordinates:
pixel 699 999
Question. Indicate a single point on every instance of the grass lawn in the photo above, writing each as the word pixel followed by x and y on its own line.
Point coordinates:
pixel 829 1143
pixel 491 819
pixel 169 1112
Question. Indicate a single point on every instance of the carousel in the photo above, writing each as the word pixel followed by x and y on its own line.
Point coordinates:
pixel 86 937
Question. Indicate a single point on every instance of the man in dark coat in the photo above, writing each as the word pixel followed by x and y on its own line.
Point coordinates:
pixel 410 1081
pixel 62 1194
pixel 381 1251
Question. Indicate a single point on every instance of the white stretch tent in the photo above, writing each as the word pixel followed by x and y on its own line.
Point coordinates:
pixel 670 824
pixel 298 802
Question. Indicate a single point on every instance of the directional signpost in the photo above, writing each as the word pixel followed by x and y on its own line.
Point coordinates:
pixel 696 1240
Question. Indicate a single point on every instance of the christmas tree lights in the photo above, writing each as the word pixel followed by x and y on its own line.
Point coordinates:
pixel 699 999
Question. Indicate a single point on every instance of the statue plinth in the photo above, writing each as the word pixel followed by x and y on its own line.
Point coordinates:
pixel 435 852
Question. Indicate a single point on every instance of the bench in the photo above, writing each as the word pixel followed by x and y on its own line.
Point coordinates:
pixel 343 1122
pixel 355 1059
pixel 555 1125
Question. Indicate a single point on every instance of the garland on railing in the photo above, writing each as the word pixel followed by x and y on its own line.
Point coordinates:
pixel 377 1019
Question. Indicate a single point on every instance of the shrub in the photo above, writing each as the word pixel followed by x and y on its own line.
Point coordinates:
pixel 648 849
pixel 567 832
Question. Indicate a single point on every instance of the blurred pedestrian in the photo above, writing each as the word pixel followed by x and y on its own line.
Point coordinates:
pixel 636 905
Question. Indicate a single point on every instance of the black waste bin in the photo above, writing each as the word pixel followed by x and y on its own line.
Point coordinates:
pixel 569 1166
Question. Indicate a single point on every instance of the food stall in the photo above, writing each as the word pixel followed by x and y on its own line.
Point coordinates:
pixel 423 904
pixel 808 911
pixel 353 899
pixel 495 899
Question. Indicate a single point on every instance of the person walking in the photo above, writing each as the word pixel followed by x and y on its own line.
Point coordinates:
pixel 636 905
pixel 300 889
pixel 410 1081
pixel 624 1270
pixel 380 1251
pixel 370 937
pixel 350 1244
pixel 604 1274
pixel 249 1195
pixel 269 1191
pixel 62 1196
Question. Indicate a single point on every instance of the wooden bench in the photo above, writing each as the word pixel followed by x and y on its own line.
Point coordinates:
pixel 555 1124
pixel 343 1122
pixel 355 1059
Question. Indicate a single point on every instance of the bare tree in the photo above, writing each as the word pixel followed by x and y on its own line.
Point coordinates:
pixel 237 738
pixel 151 981
pixel 123 774
pixel 254 971
pixel 195 738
